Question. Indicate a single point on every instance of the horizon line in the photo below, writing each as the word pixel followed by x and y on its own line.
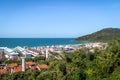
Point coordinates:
pixel 38 37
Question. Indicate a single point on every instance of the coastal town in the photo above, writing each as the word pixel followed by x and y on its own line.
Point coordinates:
pixel 21 53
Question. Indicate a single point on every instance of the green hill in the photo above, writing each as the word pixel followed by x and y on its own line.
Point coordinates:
pixel 103 35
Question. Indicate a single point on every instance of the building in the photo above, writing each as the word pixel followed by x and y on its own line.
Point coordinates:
pixel 23 51
pixel 10 54
pixel 1 53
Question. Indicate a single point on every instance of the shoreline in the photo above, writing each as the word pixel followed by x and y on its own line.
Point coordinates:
pixel 46 51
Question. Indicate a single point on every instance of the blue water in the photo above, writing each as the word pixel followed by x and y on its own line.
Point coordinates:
pixel 32 42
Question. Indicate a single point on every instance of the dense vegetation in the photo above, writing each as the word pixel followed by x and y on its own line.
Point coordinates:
pixel 101 36
pixel 78 65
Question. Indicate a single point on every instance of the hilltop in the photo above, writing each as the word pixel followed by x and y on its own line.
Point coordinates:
pixel 103 35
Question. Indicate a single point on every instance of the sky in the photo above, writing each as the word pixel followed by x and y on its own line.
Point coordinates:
pixel 56 18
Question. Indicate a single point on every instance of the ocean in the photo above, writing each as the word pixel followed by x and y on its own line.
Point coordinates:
pixel 34 42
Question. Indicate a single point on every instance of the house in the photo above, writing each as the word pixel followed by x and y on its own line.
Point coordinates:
pixel 43 66
pixel 28 66
pixel 10 54
pixel 23 51
pixel 19 49
pixel 14 67
pixel 31 65
pixel 33 51
pixel 11 67
pixel 19 68
pixel 3 71
pixel 1 53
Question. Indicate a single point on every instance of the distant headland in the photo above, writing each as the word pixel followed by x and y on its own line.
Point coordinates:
pixel 103 35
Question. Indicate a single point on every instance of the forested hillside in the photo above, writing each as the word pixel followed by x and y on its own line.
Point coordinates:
pixel 103 35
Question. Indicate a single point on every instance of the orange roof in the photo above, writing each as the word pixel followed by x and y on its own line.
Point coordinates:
pixel 3 71
pixel 43 66
pixel 1 67
pixel 30 63
pixel 12 65
pixel 18 69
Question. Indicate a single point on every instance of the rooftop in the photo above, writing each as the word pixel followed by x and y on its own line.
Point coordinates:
pixel 12 65
pixel 3 71
pixel 43 66
pixel 30 63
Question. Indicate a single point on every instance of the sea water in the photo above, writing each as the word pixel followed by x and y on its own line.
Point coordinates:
pixel 34 42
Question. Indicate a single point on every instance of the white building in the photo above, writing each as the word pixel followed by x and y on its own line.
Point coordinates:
pixel 24 52
pixel 9 53
pixel 20 49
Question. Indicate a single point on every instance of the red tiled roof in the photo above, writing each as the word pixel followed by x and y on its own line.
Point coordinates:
pixel 3 71
pixel 12 65
pixel 18 69
pixel 43 66
pixel 30 63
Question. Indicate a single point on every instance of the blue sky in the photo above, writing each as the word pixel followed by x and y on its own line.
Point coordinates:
pixel 57 18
